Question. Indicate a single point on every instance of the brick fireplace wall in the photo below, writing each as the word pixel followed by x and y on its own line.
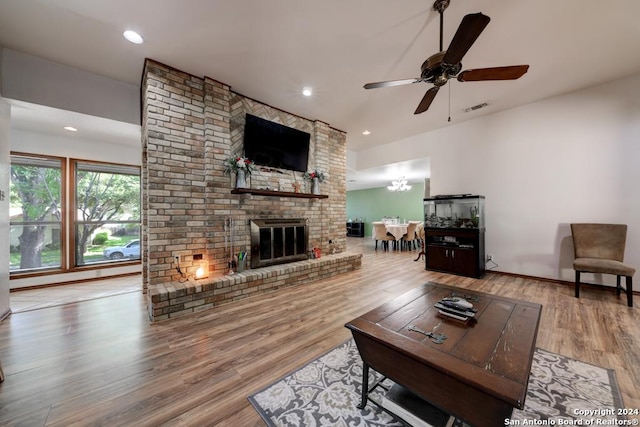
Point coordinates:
pixel 190 125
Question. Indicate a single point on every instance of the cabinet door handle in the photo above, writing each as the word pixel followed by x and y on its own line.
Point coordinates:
pixel 453 253
pixel 446 253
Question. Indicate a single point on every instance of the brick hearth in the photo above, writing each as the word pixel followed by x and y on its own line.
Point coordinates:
pixel 176 299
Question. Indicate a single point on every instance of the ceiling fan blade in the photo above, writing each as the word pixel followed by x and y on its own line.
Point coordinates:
pixel 466 34
pixel 391 83
pixel 497 73
pixel 427 99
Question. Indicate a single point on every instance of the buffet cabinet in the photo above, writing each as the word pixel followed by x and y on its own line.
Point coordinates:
pixel 455 251
pixel 454 235
pixel 355 229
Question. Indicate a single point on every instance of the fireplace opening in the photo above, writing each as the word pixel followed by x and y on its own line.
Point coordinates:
pixel 277 241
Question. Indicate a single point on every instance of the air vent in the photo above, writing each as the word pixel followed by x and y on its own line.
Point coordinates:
pixel 476 107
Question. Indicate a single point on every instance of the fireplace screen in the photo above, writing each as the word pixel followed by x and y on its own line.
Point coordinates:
pixel 276 241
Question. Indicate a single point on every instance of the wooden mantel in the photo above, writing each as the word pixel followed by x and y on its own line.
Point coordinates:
pixel 272 193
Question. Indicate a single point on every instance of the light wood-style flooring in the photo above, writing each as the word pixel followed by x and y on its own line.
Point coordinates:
pixel 37 298
pixel 100 362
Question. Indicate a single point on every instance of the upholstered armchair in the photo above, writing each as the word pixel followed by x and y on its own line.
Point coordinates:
pixel 599 248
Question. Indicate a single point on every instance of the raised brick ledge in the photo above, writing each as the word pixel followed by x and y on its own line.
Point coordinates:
pixel 176 299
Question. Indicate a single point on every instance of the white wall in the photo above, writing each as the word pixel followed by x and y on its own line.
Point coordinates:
pixel 36 80
pixel 5 119
pixel 78 148
pixel 571 158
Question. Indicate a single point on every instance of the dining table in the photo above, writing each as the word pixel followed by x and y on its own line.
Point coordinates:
pixel 397 230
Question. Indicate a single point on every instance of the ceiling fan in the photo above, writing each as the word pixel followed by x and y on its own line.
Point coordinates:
pixel 444 65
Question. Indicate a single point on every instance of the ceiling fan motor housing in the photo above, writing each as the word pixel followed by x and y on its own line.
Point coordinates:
pixel 433 70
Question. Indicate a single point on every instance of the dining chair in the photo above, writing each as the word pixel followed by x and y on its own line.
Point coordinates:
pixel 409 239
pixel 380 233
pixel 599 248
pixel 420 238
pixel 419 230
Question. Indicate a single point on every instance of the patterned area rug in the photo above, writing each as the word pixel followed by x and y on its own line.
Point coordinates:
pixel 325 392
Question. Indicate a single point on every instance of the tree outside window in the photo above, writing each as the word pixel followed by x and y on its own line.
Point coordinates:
pixel 104 215
pixel 36 213
pixel 107 206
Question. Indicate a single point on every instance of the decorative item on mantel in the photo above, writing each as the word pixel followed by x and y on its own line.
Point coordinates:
pixel 315 177
pixel 296 184
pixel 242 167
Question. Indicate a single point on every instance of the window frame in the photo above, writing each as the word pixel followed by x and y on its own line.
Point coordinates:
pixel 62 222
pixel 74 222
pixel 68 220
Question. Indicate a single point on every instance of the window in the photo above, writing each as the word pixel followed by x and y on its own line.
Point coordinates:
pixel 103 219
pixel 107 207
pixel 36 213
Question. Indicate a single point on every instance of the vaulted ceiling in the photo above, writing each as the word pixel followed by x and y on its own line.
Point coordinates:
pixel 270 50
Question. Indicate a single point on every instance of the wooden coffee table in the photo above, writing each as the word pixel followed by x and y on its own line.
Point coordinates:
pixel 481 370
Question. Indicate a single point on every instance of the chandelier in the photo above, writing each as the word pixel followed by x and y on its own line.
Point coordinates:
pixel 399 185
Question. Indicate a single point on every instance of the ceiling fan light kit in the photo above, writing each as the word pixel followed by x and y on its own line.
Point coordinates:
pixel 446 64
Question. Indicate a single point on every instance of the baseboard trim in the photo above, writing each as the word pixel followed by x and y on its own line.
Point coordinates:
pixel 560 282
pixel 5 315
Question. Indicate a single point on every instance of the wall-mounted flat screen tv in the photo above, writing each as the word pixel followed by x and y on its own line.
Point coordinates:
pixel 271 144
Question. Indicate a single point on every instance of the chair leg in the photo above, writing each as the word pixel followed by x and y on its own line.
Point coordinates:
pixel 577 284
pixel 618 287
pixel 377 245
pixel 629 291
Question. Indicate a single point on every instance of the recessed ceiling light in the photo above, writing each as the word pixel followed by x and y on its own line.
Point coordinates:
pixel 70 129
pixel 133 37
pixel 307 91
pixel 366 132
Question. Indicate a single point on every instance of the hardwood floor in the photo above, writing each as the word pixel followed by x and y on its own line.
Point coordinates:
pixel 35 299
pixel 100 362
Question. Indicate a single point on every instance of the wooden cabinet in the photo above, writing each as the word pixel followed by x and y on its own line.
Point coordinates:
pixel 454 234
pixel 455 251
pixel 355 229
